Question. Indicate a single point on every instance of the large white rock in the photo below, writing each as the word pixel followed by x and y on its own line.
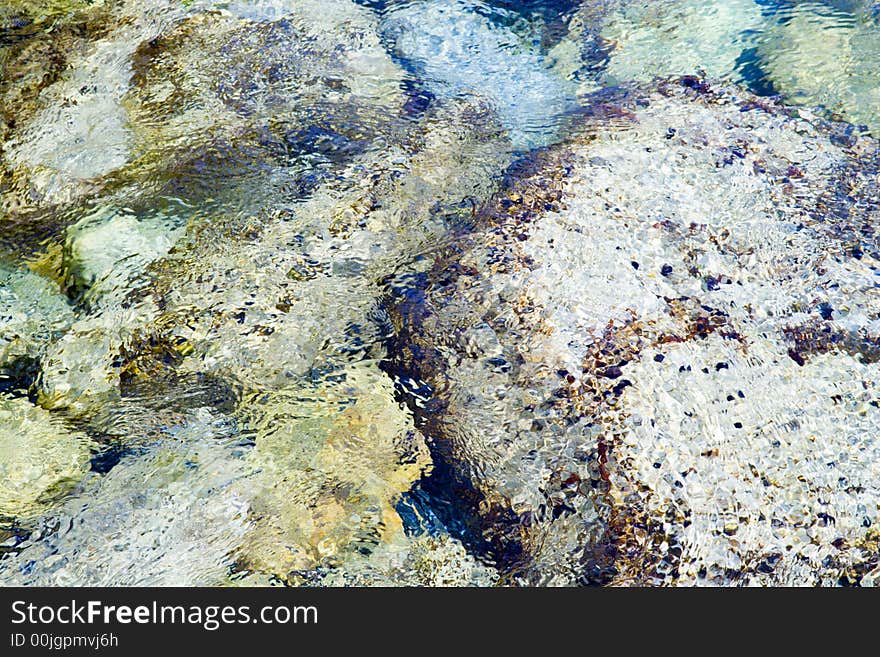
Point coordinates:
pixel 680 37
pixel 107 248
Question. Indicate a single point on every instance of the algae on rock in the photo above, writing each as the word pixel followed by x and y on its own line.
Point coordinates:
pixel 86 364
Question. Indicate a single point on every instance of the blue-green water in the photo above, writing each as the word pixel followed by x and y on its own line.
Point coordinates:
pixel 228 230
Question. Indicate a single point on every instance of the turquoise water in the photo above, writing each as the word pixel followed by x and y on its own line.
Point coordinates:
pixel 228 230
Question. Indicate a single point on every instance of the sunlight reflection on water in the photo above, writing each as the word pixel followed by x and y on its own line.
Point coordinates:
pixel 216 215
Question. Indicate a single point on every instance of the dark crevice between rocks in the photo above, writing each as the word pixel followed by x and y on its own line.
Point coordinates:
pixel 418 99
pixel 108 458
pixel 19 379
pixel 753 74
pixel 12 535
pixel 15 30
pixel 445 500
pixel 450 498
pixel 18 376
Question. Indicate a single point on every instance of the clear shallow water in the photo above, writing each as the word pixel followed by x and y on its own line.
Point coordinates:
pixel 812 53
pixel 226 226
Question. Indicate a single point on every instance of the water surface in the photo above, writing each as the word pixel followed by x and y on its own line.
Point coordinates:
pixel 209 211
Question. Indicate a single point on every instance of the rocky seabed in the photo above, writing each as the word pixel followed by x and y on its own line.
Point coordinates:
pixel 324 292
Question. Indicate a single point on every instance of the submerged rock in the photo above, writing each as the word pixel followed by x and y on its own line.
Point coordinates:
pixel 328 449
pixel 698 235
pixel 816 56
pixel 72 130
pixel 286 241
pixel 164 99
pixel 34 314
pixel 39 458
pixel 332 464
pixel 162 517
pixel 77 141
pixel 420 561
pixel 80 372
pixel 235 92
pixel 680 37
pixel 248 304
pixel 772 487
pixel 260 305
pixel 300 488
pixel 263 133
pixel 106 249
pixel 39 11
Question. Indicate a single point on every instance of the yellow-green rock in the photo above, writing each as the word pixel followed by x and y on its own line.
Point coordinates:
pixel 39 458
pixel 332 463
